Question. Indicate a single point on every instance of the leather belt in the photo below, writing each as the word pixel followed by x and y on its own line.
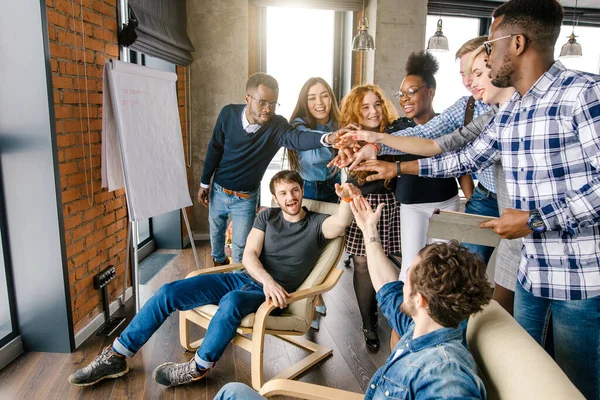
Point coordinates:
pixel 234 193
pixel 486 191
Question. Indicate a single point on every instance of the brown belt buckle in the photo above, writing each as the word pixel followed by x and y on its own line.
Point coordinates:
pixel 234 193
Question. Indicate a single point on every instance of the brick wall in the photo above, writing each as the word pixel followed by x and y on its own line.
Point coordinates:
pixel 95 232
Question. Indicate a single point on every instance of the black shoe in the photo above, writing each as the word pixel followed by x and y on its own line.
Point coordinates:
pixel 219 264
pixel 172 374
pixel 372 339
pixel 107 365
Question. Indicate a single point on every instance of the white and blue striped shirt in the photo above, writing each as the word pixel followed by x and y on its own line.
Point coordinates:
pixel 549 144
pixel 446 122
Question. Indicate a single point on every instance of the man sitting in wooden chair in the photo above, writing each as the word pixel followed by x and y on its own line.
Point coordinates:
pixel 444 286
pixel 281 250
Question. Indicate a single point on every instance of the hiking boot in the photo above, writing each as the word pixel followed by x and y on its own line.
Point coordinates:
pixel 106 365
pixel 172 374
pixel 218 264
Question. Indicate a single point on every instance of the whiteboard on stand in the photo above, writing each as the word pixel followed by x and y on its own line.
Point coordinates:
pixel 142 146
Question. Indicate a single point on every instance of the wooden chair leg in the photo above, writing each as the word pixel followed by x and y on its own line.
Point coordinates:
pixel 256 360
pixel 184 331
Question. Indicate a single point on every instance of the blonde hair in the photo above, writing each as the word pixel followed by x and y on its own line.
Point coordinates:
pixel 476 53
pixel 470 45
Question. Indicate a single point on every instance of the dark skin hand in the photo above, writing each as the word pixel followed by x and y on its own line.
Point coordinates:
pixel 203 196
pixel 511 225
pixel 386 170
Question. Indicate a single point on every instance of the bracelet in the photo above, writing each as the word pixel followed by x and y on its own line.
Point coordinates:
pixel 374 144
pixel 372 239
pixel 398 168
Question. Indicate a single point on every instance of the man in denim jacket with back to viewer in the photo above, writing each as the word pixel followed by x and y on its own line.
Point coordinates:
pixel 444 286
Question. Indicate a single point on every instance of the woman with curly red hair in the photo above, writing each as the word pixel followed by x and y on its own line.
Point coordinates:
pixel 366 106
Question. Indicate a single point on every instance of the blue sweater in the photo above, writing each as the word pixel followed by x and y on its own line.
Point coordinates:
pixel 239 159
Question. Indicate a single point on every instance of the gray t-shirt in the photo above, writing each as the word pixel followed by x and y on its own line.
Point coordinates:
pixel 290 249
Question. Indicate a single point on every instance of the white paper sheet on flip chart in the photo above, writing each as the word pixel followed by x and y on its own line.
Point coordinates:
pixel 142 147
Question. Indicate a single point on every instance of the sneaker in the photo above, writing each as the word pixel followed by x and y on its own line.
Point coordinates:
pixel 106 365
pixel 172 374
pixel 218 264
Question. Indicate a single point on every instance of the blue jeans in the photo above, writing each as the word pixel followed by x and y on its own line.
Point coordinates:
pixel 482 203
pixel 322 190
pixel 576 330
pixel 236 294
pixel 237 391
pixel 243 212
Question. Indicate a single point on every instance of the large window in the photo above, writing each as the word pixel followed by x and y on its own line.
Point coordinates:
pixel 300 44
pixel 449 85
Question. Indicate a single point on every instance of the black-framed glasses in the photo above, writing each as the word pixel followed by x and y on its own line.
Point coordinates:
pixel 264 104
pixel 410 93
pixel 488 45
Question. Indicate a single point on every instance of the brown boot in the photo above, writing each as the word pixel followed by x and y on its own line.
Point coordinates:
pixel 218 264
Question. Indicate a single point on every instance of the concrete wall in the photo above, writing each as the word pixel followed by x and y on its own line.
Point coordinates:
pixel 219 32
pixel 398 27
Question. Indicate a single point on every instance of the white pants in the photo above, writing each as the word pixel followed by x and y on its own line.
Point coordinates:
pixel 414 225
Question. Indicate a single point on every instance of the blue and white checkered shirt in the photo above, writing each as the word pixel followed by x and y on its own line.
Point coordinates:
pixel 448 121
pixel 549 143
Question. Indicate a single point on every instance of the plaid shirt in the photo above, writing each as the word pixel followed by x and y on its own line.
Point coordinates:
pixel 549 144
pixel 448 121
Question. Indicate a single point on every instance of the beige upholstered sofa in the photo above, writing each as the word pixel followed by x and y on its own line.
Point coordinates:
pixel 511 364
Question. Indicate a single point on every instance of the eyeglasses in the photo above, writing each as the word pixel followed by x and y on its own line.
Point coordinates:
pixel 410 92
pixel 264 104
pixel 488 45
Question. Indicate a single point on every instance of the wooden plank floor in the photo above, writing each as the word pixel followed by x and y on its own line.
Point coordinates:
pixel 44 375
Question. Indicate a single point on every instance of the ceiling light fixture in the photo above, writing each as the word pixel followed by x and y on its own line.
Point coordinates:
pixel 572 48
pixel 363 41
pixel 438 42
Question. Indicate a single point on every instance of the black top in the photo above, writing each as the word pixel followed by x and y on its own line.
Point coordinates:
pixel 412 189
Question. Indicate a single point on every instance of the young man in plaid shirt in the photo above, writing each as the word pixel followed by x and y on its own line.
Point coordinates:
pixel 548 138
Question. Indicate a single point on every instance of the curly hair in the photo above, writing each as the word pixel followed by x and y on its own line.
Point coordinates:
pixel 424 65
pixel 453 281
pixel 301 111
pixel 351 113
pixel 539 20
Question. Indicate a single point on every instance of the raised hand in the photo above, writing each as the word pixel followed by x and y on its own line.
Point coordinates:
pixel 347 191
pixel 364 215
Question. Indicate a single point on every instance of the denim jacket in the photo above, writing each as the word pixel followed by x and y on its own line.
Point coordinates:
pixel 435 365
pixel 313 163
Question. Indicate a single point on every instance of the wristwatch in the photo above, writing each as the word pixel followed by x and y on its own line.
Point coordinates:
pixel 535 222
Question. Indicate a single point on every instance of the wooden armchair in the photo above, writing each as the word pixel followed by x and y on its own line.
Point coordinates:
pixel 295 320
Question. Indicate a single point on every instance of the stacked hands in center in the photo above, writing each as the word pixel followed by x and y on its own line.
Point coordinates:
pixel 358 151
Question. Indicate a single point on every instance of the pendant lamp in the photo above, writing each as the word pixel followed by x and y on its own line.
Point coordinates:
pixel 438 42
pixel 363 41
pixel 572 48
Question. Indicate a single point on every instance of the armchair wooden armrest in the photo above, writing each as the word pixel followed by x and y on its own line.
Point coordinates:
pixel 308 391
pixel 260 324
pixel 216 270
